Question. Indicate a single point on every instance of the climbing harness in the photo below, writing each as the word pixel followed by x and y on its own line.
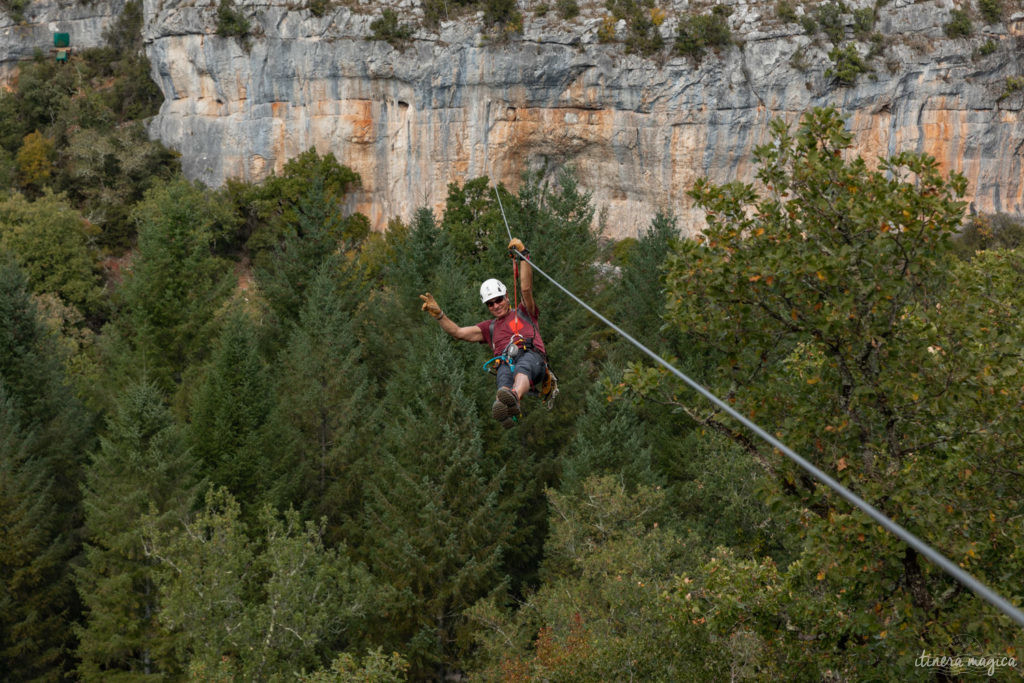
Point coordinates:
pixel 547 390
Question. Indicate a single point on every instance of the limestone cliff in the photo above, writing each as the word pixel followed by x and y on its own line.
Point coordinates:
pixel 460 101
pixel 21 37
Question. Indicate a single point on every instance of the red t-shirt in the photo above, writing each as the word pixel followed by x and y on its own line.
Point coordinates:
pixel 509 324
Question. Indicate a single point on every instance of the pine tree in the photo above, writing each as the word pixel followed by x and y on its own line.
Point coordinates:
pixel 231 405
pixel 609 440
pixel 141 469
pixel 176 283
pixel 639 298
pixel 43 433
pixel 317 235
pixel 34 593
pixel 435 520
pixel 316 427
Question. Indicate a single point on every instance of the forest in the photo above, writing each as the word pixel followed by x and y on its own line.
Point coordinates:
pixel 232 446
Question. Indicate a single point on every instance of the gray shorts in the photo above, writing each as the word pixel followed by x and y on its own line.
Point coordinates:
pixel 529 363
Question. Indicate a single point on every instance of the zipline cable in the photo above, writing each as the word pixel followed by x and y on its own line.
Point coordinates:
pixel 937 558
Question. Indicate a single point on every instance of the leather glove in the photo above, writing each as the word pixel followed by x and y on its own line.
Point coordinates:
pixel 517 245
pixel 430 306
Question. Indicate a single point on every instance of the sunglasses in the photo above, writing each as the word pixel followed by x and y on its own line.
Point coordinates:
pixel 495 302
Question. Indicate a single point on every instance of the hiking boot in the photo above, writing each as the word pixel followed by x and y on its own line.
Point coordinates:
pixel 499 411
pixel 506 406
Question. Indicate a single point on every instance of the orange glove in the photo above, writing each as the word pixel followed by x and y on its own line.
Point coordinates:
pixel 430 306
pixel 517 245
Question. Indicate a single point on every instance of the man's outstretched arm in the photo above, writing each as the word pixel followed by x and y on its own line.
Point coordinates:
pixel 525 276
pixel 470 334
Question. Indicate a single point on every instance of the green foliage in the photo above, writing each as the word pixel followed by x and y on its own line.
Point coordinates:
pixel 609 441
pixel 567 9
pixel 84 144
pixel 809 25
pixel 257 605
pixel 15 9
pixel 43 435
pixel 982 233
pixel 698 32
pixel 375 667
pixel 231 22
pixel 175 284
pixel 503 12
pixel 132 95
pixel 272 210
pixel 319 8
pixel 43 90
pixel 639 295
pixel 55 247
pixel 991 10
pixel 863 22
pixel 387 28
pixel 833 298
pixel 434 522
pixel 988 47
pixel 830 20
pixel 322 393
pixel 1013 84
pixel 609 607
pixel 35 162
pixel 230 406
pixel 642 35
pixel 960 25
pixel 33 583
pixel 142 468
pixel 847 65
pixel 786 11
pixel 106 173
pixel 320 237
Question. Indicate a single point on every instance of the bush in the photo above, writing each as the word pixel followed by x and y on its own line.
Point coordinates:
pixel 1013 84
pixel 991 10
pixel 567 9
pixel 988 48
pixel 230 21
pixel 15 9
pixel 502 12
pixel 642 34
pixel 863 22
pixel 984 232
pixel 959 25
pixel 786 12
pixel 387 28
pixel 698 32
pixel 830 19
pixel 847 65
pixel 318 8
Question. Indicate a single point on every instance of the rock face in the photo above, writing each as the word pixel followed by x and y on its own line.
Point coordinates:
pixel 85 22
pixel 462 101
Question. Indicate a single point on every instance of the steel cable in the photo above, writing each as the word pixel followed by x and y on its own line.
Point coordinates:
pixel 966 579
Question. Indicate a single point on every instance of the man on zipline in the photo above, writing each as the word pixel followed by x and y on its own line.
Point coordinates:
pixel 511 334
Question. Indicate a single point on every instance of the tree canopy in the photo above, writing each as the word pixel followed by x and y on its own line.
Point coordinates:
pixel 232 446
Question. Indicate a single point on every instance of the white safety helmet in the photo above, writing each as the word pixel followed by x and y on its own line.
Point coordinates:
pixel 491 289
